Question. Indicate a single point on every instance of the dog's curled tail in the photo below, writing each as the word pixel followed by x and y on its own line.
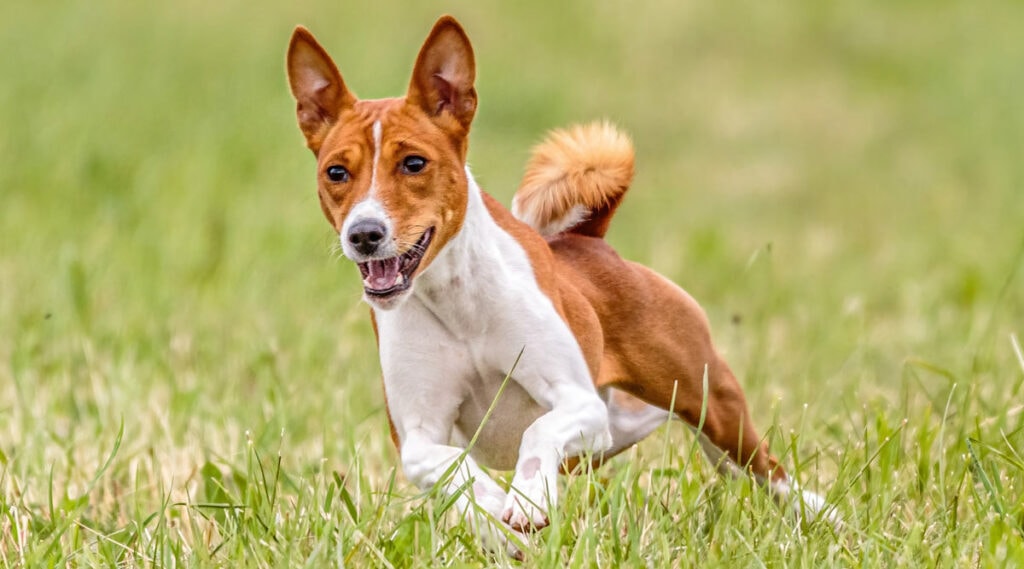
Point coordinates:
pixel 575 180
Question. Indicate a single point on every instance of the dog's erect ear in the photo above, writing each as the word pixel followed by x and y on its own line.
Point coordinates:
pixel 442 81
pixel 317 87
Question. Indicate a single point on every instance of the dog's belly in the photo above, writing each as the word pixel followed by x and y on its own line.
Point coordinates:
pixel 498 443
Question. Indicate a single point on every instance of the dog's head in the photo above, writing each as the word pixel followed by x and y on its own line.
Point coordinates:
pixel 391 172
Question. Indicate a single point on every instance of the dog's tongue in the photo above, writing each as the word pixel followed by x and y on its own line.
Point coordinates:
pixel 382 275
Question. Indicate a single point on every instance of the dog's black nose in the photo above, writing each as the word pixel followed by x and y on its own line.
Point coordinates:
pixel 366 235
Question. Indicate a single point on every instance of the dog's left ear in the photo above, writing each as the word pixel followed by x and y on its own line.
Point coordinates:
pixel 442 81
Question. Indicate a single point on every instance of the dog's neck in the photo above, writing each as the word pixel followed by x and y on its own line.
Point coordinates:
pixel 472 275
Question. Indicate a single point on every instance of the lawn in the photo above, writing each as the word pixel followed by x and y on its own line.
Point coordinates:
pixel 188 377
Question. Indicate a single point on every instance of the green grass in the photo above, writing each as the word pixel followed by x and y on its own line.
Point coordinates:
pixel 187 376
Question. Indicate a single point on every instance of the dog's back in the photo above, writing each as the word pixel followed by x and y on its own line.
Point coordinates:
pixel 656 339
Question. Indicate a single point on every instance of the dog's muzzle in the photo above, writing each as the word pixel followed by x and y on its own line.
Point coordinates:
pixel 387 278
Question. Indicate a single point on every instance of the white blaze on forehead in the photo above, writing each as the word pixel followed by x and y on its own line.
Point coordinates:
pixel 377 130
pixel 370 207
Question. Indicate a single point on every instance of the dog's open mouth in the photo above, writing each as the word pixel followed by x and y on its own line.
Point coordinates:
pixel 383 278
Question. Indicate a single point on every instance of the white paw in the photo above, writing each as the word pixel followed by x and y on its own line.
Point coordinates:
pixel 511 549
pixel 482 506
pixel 487 497
pixel 812 507
pixel 527 501
pixel 497 538
pixel 523 515
pixel 806 505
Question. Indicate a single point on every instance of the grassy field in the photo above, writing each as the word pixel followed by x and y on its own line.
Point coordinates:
pixel 187 376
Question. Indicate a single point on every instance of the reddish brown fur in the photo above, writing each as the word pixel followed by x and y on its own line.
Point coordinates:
pixel 435 198
pixel 642 334
pixel 638 332
pixel 339 131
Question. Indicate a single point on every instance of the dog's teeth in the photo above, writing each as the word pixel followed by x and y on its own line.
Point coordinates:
pixel 400 279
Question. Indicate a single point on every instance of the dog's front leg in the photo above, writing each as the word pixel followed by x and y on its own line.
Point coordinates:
pixel 577 423
pixel 427 462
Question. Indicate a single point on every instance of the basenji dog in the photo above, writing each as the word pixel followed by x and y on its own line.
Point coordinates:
pixel 459 287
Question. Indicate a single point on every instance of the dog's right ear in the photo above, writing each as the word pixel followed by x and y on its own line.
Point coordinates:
pixel 319 91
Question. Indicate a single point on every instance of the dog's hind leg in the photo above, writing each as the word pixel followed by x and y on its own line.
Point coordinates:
pixel 674 365
pixel 630 420
pixel 805 504
pixel 721 421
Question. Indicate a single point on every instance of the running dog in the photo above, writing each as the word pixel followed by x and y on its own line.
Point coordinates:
pixel 459 287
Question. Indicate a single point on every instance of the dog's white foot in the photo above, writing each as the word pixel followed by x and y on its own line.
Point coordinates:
pixel 498 539
pixel 532 490
pixel 523 515
pixel 483 509
pixel 487 496
pixel 807 506
pixel 812 507
pixel 511 548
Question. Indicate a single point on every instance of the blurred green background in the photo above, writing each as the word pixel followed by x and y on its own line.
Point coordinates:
pixel 840 184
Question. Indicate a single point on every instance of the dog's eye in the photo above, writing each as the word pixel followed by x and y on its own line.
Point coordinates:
pixel 413 164
pixel 337 174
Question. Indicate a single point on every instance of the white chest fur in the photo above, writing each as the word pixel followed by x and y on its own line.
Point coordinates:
pixel 447 348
